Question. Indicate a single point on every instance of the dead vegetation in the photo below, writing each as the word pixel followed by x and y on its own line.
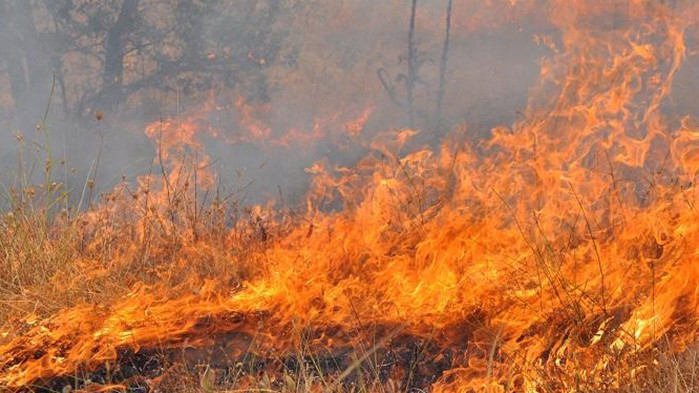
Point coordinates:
pixel 555 255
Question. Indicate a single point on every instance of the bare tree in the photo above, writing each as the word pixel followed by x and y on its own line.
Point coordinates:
pixel 412 77
pixel 443 67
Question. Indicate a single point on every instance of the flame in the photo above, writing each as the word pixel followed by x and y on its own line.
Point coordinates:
pixel 565 243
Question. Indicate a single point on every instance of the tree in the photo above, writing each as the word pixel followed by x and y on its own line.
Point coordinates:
pixel 104 53
pixel 22 54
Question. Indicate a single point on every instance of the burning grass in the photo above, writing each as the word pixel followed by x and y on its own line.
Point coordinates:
pixel 557 255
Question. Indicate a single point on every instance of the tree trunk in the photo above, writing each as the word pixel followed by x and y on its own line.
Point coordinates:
pixel 411 79
pixel 443 68
pixel 111 94
pixel 27 70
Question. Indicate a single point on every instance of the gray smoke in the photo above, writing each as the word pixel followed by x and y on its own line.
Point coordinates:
pixel 139 61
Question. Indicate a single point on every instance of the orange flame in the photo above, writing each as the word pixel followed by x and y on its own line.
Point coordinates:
pixel 566 243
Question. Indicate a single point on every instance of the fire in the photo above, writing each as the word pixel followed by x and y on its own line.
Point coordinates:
pixel 565 244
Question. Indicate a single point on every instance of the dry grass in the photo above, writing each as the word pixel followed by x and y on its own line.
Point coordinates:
pixel 53 258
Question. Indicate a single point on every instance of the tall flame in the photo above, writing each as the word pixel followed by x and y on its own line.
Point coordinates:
pixel 565 244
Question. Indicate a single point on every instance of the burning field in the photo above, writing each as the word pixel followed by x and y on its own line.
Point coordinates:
pixel 422 251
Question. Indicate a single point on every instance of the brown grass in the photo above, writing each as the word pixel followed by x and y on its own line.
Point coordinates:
pixel 53 258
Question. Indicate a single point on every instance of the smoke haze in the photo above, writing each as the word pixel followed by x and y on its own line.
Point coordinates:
pixel 294 71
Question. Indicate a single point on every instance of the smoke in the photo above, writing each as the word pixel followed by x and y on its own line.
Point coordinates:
pixel 303 68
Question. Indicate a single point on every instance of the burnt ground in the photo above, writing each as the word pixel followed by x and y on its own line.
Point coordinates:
pixel 407 361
